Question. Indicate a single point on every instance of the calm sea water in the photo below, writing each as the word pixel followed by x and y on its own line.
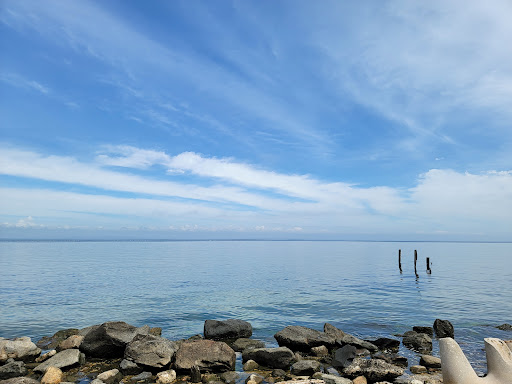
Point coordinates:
pixel 47 286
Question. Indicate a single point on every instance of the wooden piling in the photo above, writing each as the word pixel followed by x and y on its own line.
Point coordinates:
pixel 428 265
pixel 400 260
pixel 415 261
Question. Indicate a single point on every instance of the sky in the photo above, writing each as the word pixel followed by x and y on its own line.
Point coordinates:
pixel 289 119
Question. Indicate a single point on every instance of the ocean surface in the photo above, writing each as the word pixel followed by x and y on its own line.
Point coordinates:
pixel 47 286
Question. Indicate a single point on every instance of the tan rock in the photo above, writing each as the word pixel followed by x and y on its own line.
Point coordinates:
pixel 166 377
pixel 254 379
pixel 320 351
pixel 46 356
pixel 53 375
pixel 359 380
pixel 250 365
pixel 110 376
pixel 73 341
pixel 416 369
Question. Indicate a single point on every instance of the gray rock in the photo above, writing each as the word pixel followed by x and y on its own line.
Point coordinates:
pixel 129 367
pixel 341 338
pixel 250 365
pixel 21 348
pixel 20 380
pixel 505 327
pixel 208 355
pixel 51 342
pixel 281 357
pixel 13 369
pixel 110 377
pixel 144 377
pixel 46 356
pixel 254 379
pixel 64 359
pixel 243 343
pixel 430 361
pixel 443 328
pixel 320 351
pixel 333 379
pixel 373 369
pixel 299 338
pixel 306 367
pixel 149 350
pixel 393 358
pixel 385 343
pixel 86 330
pixel 419 342
pixel 344 356
pixel 428 330
pixel 230 377
pixel 227 329
pixel 110 339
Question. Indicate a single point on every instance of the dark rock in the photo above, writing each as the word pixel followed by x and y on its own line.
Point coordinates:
pixel 281 357
pixel 306 367
pixel 341 338
pixel 505 327
pixel 427 330
pixel 13 369
pixel 51 342
pixel 393 358
pixel 385 343
pixel 65 359
pixel 144 377
pixel 86 330
pixel 230 377
pixel 195 374
pixel 278 373
pixel 149 350
pixel 299 338
pixel 430 361
pixel 227 329
pixel 419 342
pixel 243 343
pixel 110 339
pixel 374 370
pixel 443 328
pixel 208 355
pixel 129 367
pixel 21 348
pixel 19 380
pixel 344 356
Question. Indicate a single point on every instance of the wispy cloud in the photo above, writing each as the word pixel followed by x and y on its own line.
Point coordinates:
pixel 19 81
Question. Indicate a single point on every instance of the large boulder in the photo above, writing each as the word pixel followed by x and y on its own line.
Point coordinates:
pixel 281 357
pixel 299 338
pixel 227 329
pixel 242 344
pixel 373 369
pixel 21 348
pixel 110 339
pixel 208 355
pixel 344 356
pixel 65 359
pixel 13 369
pixel 419 342
pixel 341 338
pixel 149 350
pixel 51 342
pixel 443 328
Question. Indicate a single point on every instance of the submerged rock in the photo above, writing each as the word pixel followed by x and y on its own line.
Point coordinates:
pixel 505 327
pixel 149 350
pixel 299 338
pixel 281 357
pixel 209 355
pixel 21 348
pixel 227 329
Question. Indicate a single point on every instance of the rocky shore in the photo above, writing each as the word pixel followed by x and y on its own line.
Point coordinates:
pixel 117 352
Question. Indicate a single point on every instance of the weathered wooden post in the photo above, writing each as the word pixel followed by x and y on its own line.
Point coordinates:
pixel 428 265
pixel 415 261
pixel 400 260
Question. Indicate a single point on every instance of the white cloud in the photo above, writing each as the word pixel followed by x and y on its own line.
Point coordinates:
pixel 21 82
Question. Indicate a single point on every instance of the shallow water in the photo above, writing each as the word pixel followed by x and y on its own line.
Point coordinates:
pixel 47 286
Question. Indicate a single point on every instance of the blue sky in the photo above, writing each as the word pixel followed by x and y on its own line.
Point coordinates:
pixel 256 119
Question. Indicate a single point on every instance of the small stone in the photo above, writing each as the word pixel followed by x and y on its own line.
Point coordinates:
pixel 166 377
pixel 254 379
pixel 359 380
pixel 278 373
pixel 430 361
pixel 417 369
pixel 230 377
pixel 209 378
pixel 144 377
pixel 97 381
pixel 72 341
pixel 53 375
pixel 250 365
pixel 320 351
pixel 109 377
pixel 128 367
pixel 46 356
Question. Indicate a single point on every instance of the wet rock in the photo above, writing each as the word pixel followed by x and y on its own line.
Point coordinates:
pixel 344 356
pixel 300 338
pixel 428 330
pixel 53 375
pixel 278 373
pixel 341 338
pixel 128 367
pixel 419 342
pixel 46 356
pixel 166 377
pixel 149 350
pixel 385 343
pixel 250 365
pixel 230 377
pixel 110 376
pixel 13 369
pixel 281 357
pixel 393 358
pixel 144 377
pixel 243 343
pixel 21 348
pixel 72 341
pixel 227 329
pixel 110 339
pixel 209 355
pixel 306 367
pixel 418 369
pixel 320 351
pixel 64 359
pixel 333 379
pixel 373 369
pixel 443 328
pixel 51 342
pixel 505 327
pixel 430 361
